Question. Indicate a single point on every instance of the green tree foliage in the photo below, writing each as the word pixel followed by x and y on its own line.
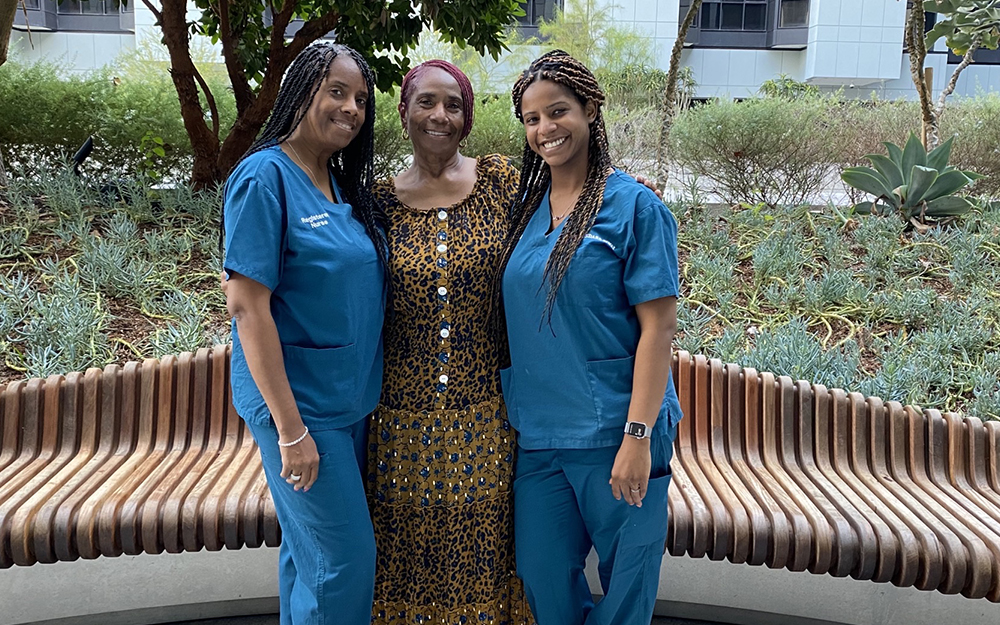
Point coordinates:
pixel 786 87
pixel 585 30
pixel 257 50
pixel 965 24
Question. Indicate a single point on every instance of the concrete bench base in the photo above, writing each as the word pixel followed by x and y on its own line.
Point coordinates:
pixel 150 589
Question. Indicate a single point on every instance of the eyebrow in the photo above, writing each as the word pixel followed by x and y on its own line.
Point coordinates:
pixel 341 83
pixel 426 94
pixel 547 106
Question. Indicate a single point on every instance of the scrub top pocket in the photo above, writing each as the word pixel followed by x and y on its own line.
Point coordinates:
pixel 324 381
pixel 611 385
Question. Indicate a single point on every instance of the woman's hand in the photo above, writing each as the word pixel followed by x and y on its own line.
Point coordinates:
pixel 649 183
pixel 301 459
pixel 630 473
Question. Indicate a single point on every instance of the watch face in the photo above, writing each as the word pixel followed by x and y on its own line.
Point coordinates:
pixel 636 429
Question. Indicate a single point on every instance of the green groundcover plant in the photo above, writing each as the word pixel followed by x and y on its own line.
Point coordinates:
pixel 861 304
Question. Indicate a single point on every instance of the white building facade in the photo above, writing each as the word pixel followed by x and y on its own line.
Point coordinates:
pixel 734 46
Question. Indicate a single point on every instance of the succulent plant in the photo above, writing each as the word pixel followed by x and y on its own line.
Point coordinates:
pixel 912 182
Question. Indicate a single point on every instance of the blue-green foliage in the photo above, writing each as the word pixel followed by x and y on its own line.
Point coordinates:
pixel 862 305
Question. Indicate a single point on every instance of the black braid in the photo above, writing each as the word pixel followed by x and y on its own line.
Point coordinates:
pixel 352 166
pixel 560 67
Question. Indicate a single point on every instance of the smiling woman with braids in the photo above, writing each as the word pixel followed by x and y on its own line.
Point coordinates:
pixel 589 286
pixel 306 261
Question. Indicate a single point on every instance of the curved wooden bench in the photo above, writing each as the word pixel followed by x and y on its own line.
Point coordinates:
pixel 151 457
pixel 773 472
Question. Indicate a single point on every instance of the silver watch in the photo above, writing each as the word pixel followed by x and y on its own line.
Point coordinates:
pixel 637 429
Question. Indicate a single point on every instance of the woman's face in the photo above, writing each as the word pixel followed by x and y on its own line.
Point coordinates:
pixel 337 111
pixel 433 115
pixel 556 125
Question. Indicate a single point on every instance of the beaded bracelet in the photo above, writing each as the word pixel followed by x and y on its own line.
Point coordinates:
pixel 297 440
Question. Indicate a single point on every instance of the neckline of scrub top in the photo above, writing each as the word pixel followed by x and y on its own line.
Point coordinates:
pixel 545 208
pixel 434 210
pixel 302 173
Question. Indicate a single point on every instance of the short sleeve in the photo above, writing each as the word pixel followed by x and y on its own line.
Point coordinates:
pixel 651 264
pixel 255 230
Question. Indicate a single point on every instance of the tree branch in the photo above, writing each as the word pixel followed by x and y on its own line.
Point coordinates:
pixel 967 60
pixel 204 144
pixel 7 15
pixel 153 10
pixel 918 53
pixel 242 92
pixel 670 92
pixel 311 31
pixel 213 109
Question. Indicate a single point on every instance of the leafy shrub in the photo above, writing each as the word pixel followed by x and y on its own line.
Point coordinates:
pixel 50 115
pixel 768 151
pixel 391 149
pixel 45 115
pixel 786 87
pixel 633 134
pixel 975 125
pixel 496 130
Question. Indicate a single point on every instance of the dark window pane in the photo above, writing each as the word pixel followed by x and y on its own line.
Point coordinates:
pixel 710 16
pixel 31 4
pixel 732 17
pixel 535 10
pixel 93 7
pixel 69 7
pixel 753 19
pixel 794 13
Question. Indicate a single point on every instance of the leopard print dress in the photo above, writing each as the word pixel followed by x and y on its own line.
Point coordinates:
pixel 440 447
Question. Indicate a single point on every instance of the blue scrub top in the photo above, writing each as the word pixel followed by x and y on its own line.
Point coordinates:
pixel 326 285
pixel 570 383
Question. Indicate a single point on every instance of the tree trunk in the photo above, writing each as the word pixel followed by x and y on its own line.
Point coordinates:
pixel 918 54
pixel 670 92
pixel 204 143
pixel 8 10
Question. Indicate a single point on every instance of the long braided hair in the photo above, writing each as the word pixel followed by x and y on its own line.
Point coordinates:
pixel 353 165
pixel 559 67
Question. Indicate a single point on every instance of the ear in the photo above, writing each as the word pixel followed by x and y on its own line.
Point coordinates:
pixel 591 111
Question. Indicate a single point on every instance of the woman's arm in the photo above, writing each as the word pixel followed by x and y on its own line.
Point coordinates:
pixel 249 303
pixel 657 324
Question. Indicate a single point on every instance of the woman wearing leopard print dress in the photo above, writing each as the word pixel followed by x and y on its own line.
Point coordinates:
pixel 440 447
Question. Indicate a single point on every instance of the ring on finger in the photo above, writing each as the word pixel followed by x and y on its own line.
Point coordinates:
pixel 635 490
pixel 294 477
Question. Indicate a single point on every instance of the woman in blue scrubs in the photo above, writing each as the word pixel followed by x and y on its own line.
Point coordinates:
pixel 306 261
pixel 589 286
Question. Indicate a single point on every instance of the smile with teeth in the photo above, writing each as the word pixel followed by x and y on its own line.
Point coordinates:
pixel 554 143
pixel 436 133
pixel 344 125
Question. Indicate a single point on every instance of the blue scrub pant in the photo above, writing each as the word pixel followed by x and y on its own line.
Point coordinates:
pixel 562 507
pixel 326 563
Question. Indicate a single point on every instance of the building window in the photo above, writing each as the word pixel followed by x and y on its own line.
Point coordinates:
pixel 793 14
pixel 536 10
pixel 747 15
pixel 87 7
pixel 32 4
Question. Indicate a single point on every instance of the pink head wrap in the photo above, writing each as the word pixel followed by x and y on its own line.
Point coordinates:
pixel 410 80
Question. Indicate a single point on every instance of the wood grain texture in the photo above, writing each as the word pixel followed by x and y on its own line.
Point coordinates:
pixel 151 457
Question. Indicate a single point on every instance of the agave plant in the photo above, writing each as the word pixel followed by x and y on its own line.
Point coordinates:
pixel 912 182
